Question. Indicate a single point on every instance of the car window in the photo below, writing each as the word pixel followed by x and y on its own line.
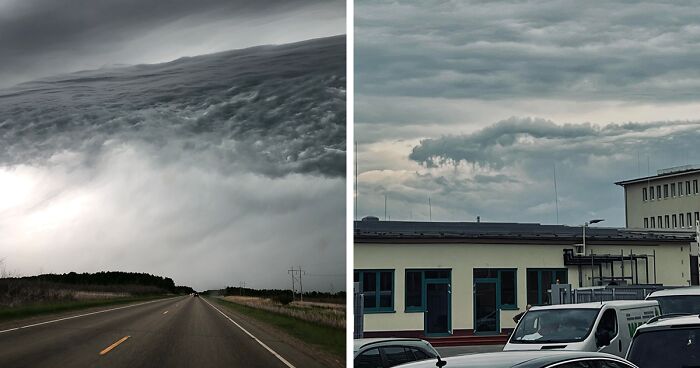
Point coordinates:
pixel 579 364
pixel 396 355
pixel 369 359
pixel 613 364
pixel 592 363
pixel 419 354
pixel 680 348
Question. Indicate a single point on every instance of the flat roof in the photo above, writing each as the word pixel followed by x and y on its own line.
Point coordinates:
pixel 398 231
pixel 662 175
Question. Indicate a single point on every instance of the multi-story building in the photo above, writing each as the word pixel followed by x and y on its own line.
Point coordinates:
pixel 668 200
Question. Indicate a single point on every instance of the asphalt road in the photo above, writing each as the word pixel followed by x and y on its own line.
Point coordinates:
pixel 175 332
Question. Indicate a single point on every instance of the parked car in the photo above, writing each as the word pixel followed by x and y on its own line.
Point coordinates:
pixel 667 341
pixel 389 352
pixel 597 327
pixel 684 300
pixel 528 359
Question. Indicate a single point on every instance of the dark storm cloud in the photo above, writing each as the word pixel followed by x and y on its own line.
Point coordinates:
pixel 271 110
pixel 512 49
pixel 504 172
pixel 45 37
pixel 211 170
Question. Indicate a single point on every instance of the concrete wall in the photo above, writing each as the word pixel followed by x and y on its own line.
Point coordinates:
pixel 672 269
pixel 637 209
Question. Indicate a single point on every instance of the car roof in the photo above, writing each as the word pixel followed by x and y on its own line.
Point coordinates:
pixel 598 305
pixel 662 323
pixel 360 343
pixel 688 290
pixel 503 359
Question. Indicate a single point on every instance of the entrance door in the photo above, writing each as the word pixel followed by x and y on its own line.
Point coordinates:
pixel 437 313
pixel 486 313
pixel 694 279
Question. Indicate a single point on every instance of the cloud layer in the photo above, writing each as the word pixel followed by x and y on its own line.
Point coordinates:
pixel 211 170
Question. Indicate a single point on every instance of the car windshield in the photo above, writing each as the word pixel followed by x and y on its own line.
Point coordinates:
pixel 689 304
pixel 666 348
pixel 554 326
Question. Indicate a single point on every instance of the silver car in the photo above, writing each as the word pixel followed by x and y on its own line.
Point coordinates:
pixel 390 352
pixel 528 359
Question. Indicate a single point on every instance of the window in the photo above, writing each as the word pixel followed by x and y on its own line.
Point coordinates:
pixel 653 222
pixel 667 223
pixel 674 221
pixel 660 221
pixel 414 290
pixel 697 218
pixel 681 220
pixel 415 286
pixel 695 186
pixel 687 187
pixel 539 281
pixel 506 279
pixel 665 190
pixel 378 289
pixel 644 194
pixel 680 188
pixel 646 222
pixel 673 189
pixel 369 359
pixel 396 355
pixel 651 193
pixel 658 191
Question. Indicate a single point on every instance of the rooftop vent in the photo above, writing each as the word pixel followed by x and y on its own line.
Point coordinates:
pixel 370 219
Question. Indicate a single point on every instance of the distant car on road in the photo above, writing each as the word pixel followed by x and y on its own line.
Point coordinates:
pixel 528 359
pixel 390 352
pixel 667 341
pixel 195 295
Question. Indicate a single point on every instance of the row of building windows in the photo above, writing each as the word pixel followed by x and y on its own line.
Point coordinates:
pixel 674 221
pixel 670 190
pixel 378 286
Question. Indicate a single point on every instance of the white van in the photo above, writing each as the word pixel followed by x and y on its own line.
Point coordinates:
pixel 606 327
pixel 683 300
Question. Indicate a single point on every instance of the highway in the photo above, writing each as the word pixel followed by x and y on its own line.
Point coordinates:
pixel 175 332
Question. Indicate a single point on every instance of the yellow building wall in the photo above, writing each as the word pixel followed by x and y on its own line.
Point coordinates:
pixel 672 269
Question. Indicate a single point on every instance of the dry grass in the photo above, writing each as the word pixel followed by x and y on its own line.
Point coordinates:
pixel 327 314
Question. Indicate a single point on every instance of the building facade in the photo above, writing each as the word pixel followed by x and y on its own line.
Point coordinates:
pixel 668 200
pixel 451 279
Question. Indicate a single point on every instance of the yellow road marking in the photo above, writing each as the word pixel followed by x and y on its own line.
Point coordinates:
pixel 165 312
pixel 109 348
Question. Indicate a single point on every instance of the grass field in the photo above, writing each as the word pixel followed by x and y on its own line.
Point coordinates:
pixel 329 339
pixel 10 313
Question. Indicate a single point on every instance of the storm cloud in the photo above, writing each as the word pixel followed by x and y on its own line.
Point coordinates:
pixel 475 104
pixel 43 38
pixel 211 170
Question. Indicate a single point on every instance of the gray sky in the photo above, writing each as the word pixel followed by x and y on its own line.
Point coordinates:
pixel 473 104
pixel 212 169
pixel 45 37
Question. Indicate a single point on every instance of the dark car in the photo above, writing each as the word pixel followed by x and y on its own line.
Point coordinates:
pixel 195 295
pixel 667 341
pixel 528 359
pixel 390 352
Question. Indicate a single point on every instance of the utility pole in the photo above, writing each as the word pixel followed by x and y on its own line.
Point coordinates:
pixel 241 285
pixel 291 272
pixel 430 210
pixel 294 274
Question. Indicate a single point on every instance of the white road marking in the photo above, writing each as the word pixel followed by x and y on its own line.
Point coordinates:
pixel 288 364
pixel 166 312
pixel 82 315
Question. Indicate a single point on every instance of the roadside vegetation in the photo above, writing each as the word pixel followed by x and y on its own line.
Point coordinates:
pixel 22 297
pixel 316 323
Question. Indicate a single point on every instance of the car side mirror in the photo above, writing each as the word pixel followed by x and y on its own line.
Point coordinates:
pixel 602 338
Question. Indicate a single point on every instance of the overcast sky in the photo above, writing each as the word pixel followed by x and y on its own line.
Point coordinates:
pixel 46 37
pixel 475 104
pixel 212 170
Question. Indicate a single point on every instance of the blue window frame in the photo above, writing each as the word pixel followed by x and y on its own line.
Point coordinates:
pixel 378 289
pixel 416 280
pixel 540 280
